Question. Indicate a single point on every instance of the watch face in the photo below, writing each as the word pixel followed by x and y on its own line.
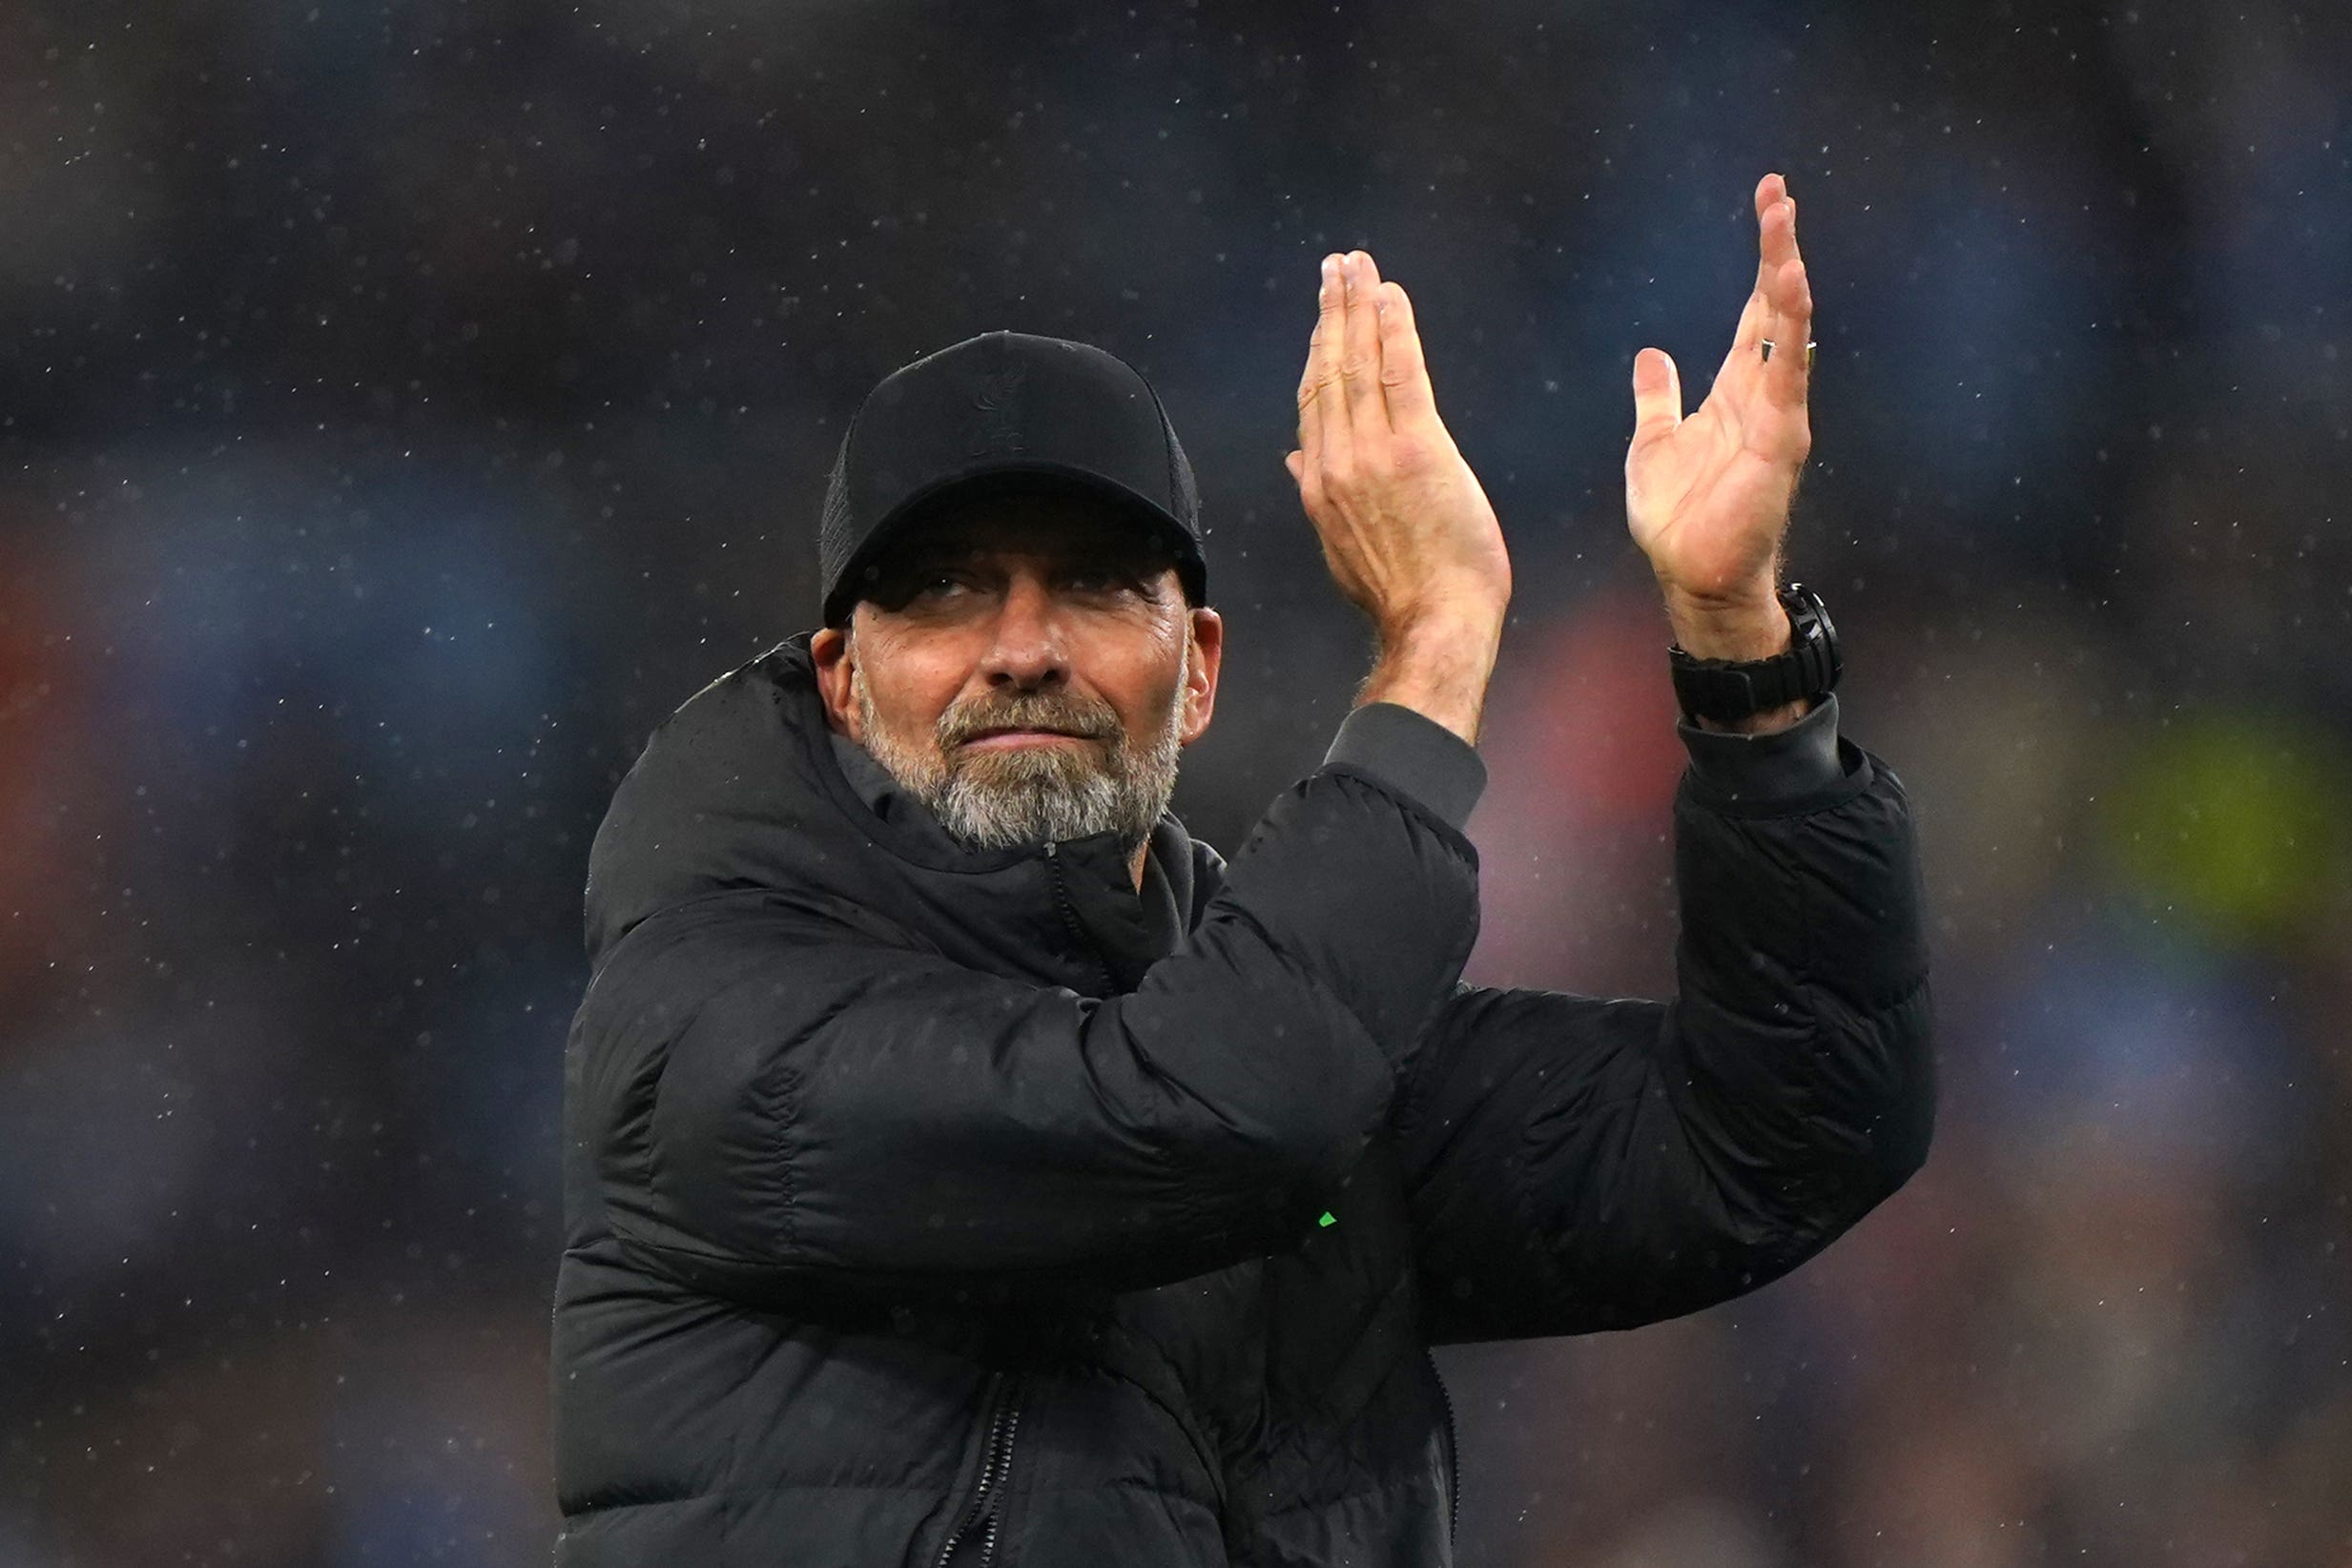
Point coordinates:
pixel 1811 619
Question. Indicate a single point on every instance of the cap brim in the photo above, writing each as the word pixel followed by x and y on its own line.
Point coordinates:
pixel 1000 479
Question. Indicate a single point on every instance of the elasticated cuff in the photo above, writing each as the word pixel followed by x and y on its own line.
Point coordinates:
pixel 1785 765
pixel 1415 755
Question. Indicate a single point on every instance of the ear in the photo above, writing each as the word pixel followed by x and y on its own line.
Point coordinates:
pixel 1206 659
pixel 836 656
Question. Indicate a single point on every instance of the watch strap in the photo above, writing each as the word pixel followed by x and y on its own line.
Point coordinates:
pixel 1729 690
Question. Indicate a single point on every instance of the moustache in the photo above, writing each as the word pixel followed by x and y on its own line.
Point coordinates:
pixel 1064 714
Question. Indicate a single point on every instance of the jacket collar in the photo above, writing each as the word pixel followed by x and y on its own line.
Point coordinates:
pixel 744 791
pixel 1165 893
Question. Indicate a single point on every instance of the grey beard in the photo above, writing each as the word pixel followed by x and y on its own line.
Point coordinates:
pixel 1000 799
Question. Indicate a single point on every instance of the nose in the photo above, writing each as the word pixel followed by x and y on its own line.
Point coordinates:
pixel 1027 652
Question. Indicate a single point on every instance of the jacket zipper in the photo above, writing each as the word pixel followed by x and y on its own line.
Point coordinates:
pixel 1454 1450
pixel 996 1463
pixel 1071 919
pixel 997 1455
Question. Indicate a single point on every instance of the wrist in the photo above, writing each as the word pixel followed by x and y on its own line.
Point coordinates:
pixel 1742 630
pixel 1438 667
pixel 1443 611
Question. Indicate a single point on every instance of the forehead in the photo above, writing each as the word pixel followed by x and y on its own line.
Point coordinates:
pixel 1045 522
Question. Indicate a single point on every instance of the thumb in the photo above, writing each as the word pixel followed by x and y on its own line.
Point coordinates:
pixel 1658 394
pixel 1307 481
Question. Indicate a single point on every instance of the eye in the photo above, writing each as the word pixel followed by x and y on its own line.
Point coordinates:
pixel 940 583
pixel 1100 580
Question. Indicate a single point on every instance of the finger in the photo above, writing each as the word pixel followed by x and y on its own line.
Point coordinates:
pixel 1790 295
pixel 1309 418
pixel 1756 318
pixel 1311 376
pixel 1755 321
pixel 1331 448
pixel 1657 395
pixel 1360 361
pixel 1404 371
pixel 1768 194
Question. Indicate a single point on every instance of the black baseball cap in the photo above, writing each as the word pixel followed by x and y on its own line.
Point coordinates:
pixel 1004 410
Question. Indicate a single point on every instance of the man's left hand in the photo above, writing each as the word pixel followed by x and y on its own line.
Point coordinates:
pixel 1707 497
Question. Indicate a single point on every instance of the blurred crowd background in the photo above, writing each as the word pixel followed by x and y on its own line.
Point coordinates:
pixel 403 407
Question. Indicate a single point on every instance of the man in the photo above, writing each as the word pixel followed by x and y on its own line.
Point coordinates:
pixel 966 1166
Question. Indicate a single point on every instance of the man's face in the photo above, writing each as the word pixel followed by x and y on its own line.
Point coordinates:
pixel 1028 669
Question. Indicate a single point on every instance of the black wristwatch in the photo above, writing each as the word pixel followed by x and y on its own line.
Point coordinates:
pixel 1726 689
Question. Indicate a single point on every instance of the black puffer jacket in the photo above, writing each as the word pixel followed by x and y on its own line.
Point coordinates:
pixel 920 1201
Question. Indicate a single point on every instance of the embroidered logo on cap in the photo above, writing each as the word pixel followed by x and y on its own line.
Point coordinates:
pixel 998 430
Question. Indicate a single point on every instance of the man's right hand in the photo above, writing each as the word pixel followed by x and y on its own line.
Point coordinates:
pixel 1406 529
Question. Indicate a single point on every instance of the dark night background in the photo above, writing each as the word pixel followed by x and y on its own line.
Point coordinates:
pixel 404 408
